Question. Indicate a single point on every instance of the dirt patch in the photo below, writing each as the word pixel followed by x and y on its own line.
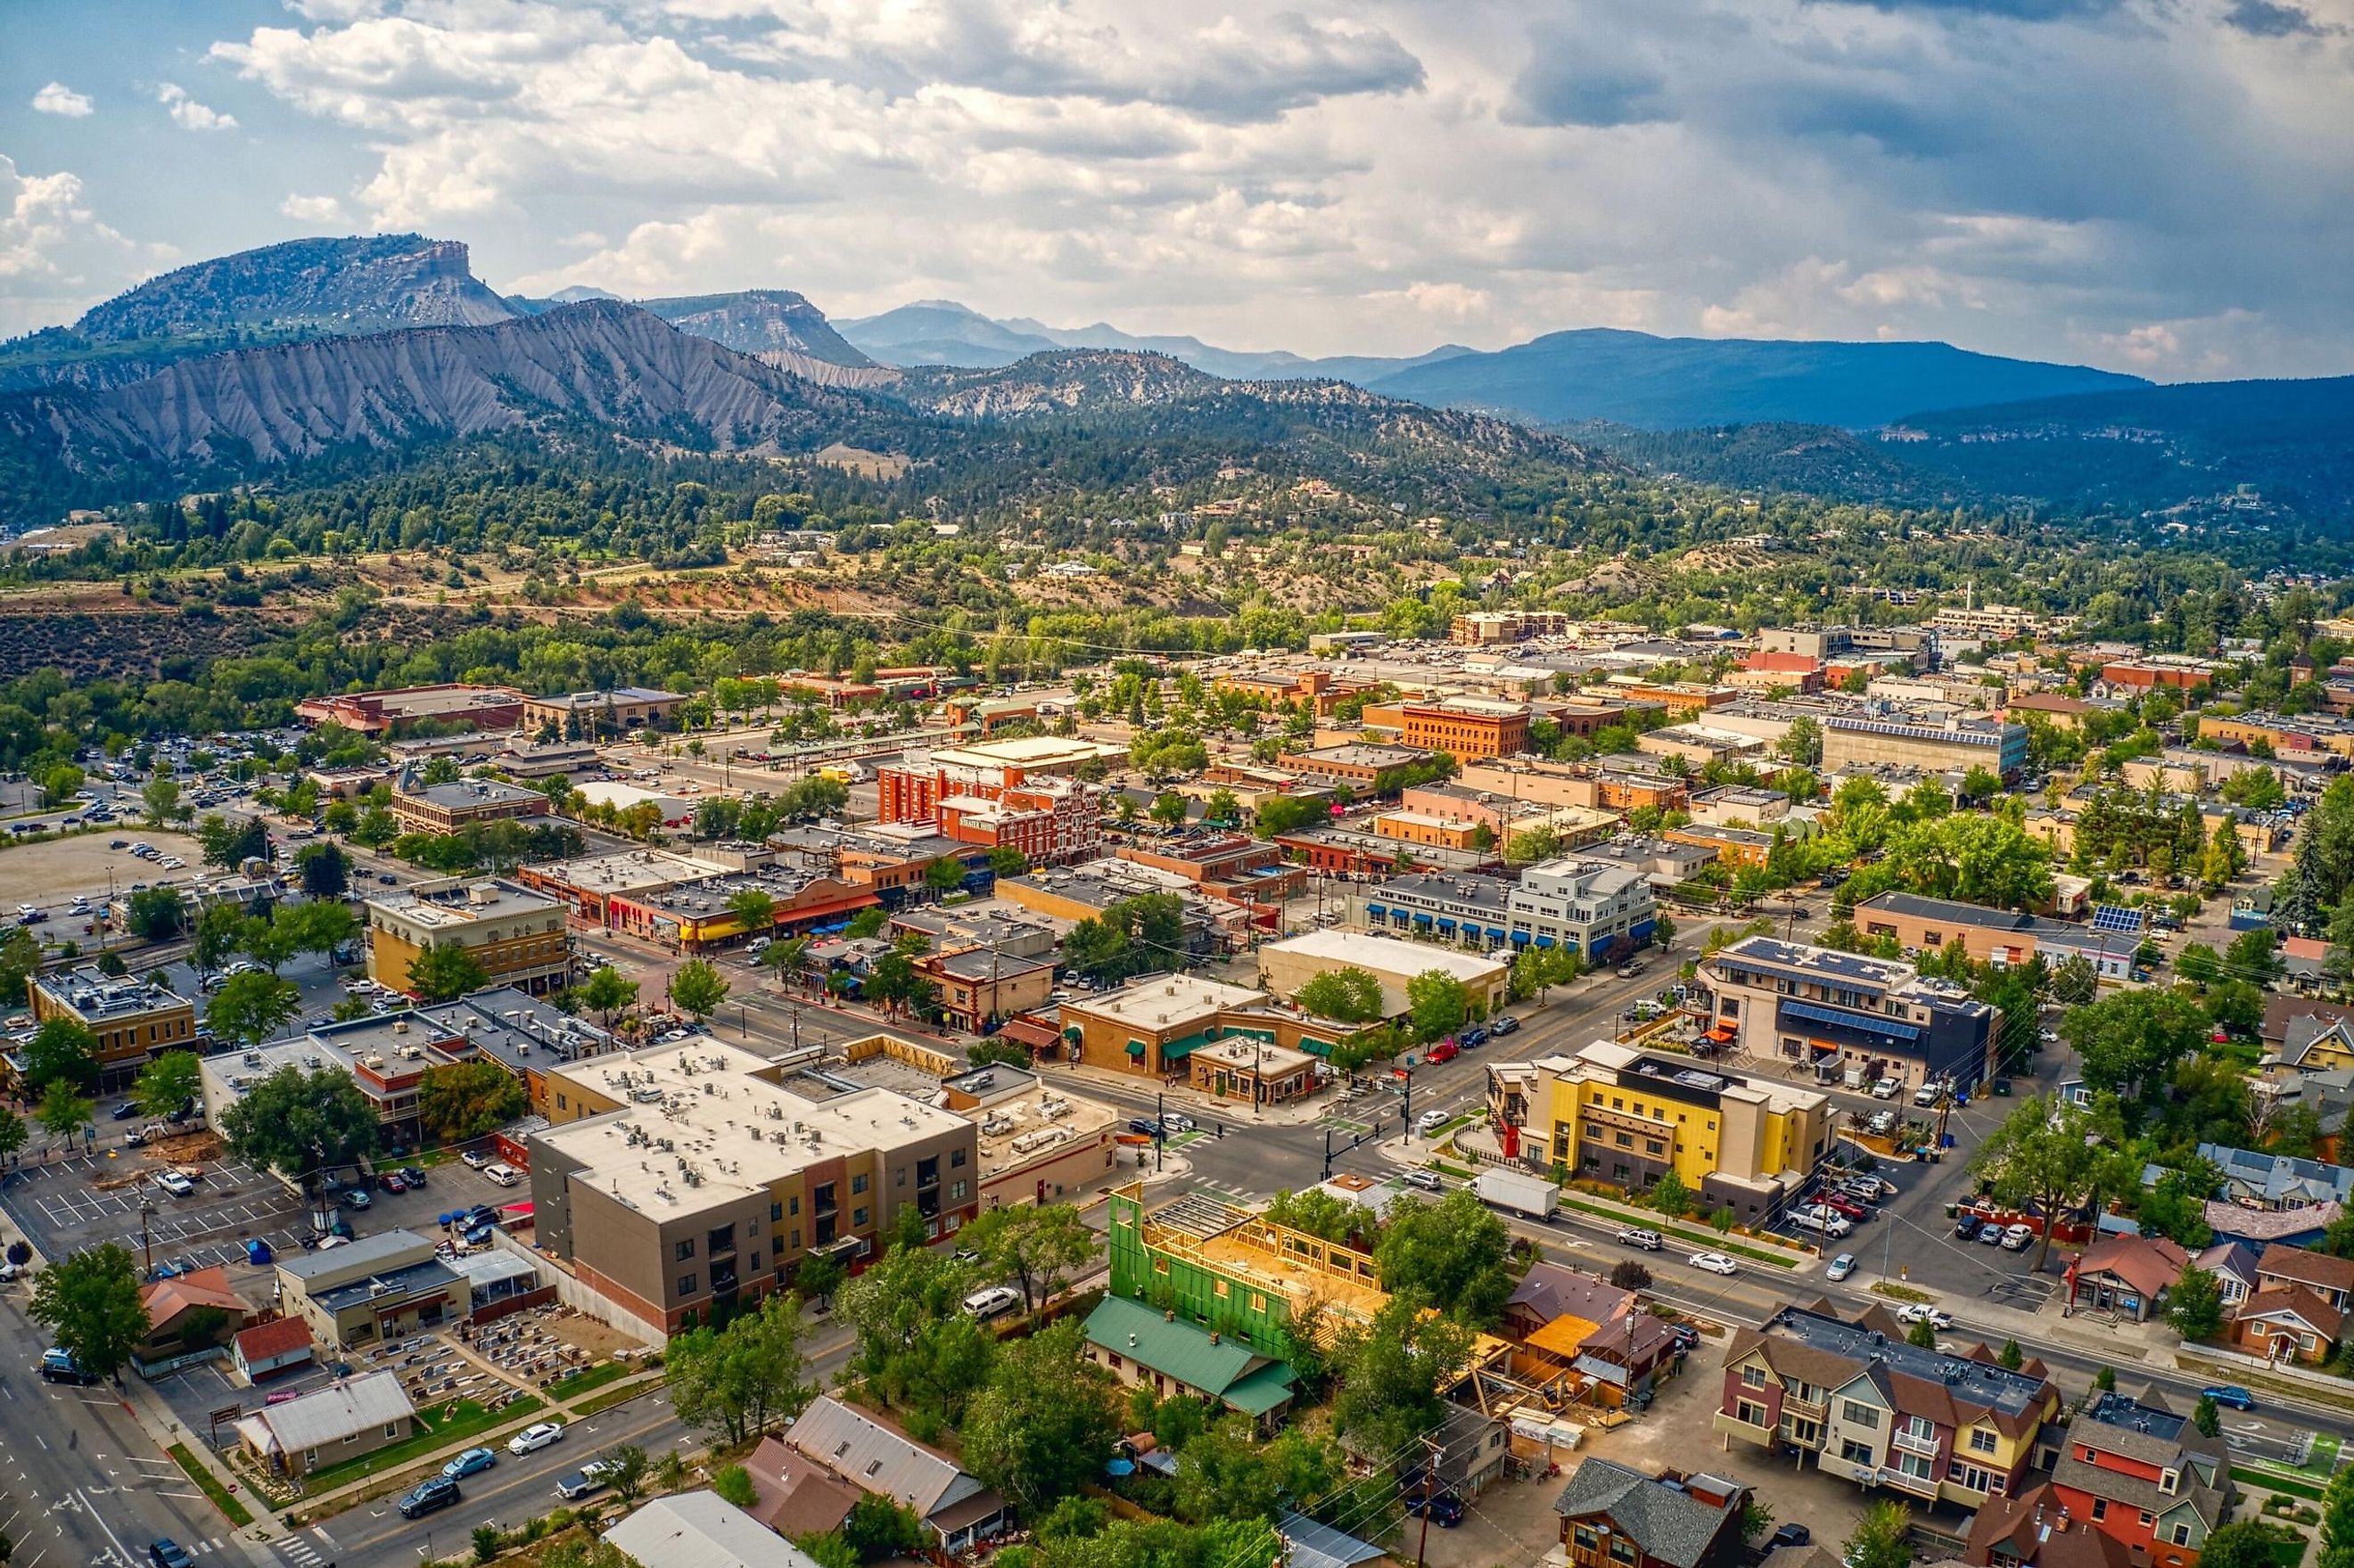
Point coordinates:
pixel 593 1338
pixel 55 869
pixel 865 465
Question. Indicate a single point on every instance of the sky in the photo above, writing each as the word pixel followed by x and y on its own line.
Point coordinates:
pixel 2160 186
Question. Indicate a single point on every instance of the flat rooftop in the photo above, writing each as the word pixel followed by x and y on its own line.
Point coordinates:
pixel 465 794
pixel 1387 955
pixel 1978 1382
pixel 99 998
pixel 731 1131
pixel 1021 751
pixel 627 871
pixel 460 904
pixel 1160 1001
pixel 1034 1124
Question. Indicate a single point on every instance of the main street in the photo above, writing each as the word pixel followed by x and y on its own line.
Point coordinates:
pixel 81 1482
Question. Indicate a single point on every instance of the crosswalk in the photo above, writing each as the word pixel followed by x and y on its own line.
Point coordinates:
pixel 1229 1191
pixel 300 1551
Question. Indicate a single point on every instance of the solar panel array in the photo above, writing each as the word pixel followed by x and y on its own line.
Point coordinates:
pixel 2115 917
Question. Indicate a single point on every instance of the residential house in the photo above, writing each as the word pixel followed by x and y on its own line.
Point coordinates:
pixel 2277 1181
pixel 191 1314
pixel 1613 1517
pixel 2129 1276
pixel 860 1448
pixel 1571 1326
pixel 2332 1278
pixel 2287 1323
pixel 701 1529
pixel 1879 1410
pixel 2145 1475
pixel 1473 1448
pixel 331 1426
pixel 2035 1529
pixel 1550 1291
pixel 2232 1262
pixel 794 1495
pixel 268 1349
pixel 2260 1228
pixel 1143 1347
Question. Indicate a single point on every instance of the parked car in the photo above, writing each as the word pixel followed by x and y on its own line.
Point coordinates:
pixel 476 1158
pixel 166 1553
pixel 535 1437
pixel 1428 1180
pixel 1505 1024
pixel 1841 1266
pixel 1822 1220
pixel 2018 1237
pixel 1845 1207
pixel 1966 1227
pixel 392 1181
pixel 470 1462
pixel 1472 1038
pixel 441 1493
pixel 2230 1395
pixel 1921 1312
pixel 994 1301
pixel 1927 1094
pixel 1990 1235
pixel 506 1175
pixel 1886 1089
pixel 174 1182
pixel 1789 1535
pixel 1144 1125
pixel 126 1110
pixel 59 1365
pixel 414 1176
pixel 1643 1240
pixel 1445 1050
pixel 587 1478
pixel 1445 1508
pixel 1430 1121
pixel 1715 1262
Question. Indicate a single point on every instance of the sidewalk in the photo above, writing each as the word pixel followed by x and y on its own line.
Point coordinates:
pixel 2120 1344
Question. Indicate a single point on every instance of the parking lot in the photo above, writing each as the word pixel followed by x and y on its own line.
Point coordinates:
pixel 87 1201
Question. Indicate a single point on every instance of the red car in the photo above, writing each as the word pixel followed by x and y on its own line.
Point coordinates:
pixel 393 1181
pixel 1445 1050
pixel 1843 1205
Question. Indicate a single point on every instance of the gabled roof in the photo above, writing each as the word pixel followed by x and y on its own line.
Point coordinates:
pixel 1549 1290
pixel 862 1450
pixel 1192 1355
pixel 703 1530
pixel 1668 1524
pixel 2032 1529
pixel 2269 1224
pixel 268 1341
pixel 2295 1265
pixel 167 1298
pixel 2294 1301
pixel 336 1412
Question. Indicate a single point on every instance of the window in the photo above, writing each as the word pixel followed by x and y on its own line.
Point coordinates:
pixel 1753 1377
pixel 1587 1540
pixel 1258 1302
pixel 1856 1453
pixel 2168 1480
pixel 1621 1549
pixel 683 1251
pixel 858 1185
pixel 686 1285
pixel 391 1430
pixel 776 1212
pixel 2100 1509
pixel 1856 1415
pixel 2145 1518
pixel 1749 1413
pixel 1219 1289
pixel 1981 1440
pixel 2181 1535
pixel 858 1219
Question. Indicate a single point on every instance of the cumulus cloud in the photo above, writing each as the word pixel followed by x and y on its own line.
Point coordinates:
pixel 190 116
pixel 56 256
pixel 57 98
pixel 312 208
pixel 2028 177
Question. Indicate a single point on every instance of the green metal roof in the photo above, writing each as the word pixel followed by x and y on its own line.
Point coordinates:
pixel 1184 1351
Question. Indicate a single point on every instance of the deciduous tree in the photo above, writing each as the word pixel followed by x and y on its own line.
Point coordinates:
pixel 698 989
pixel 89 1302
pixel 302 1124
pixel 2056 1159
pixel 444 971
pixel 459 1101
pixel 1349 994
pixel 169 1081
pixel 250 1008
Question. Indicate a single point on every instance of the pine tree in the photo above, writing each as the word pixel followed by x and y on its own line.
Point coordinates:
pixel 2299 900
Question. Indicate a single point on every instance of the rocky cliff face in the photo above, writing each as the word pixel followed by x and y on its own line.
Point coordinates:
pixel 371 283
pixel 1068 382
pixel 605 364
pixel 760 321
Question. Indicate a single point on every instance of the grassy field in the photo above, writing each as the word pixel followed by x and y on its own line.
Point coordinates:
pixel 581 1382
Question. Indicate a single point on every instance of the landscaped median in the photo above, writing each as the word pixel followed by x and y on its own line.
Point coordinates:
pixel 223 1499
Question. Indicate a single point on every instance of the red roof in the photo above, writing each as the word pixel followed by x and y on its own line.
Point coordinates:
pixel 268 1341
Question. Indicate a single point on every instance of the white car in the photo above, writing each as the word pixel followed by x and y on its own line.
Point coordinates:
pixel 1430 1121
pixel 1715 1262
pixel 1886 1089
pixel 172 1181
pixel 1919 1312
pixel 535 1437
pixel 506 1175
pixel 1822 1219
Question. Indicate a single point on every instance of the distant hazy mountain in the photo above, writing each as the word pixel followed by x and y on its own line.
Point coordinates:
pixel 1634 378
pixel 600 364
pixel 280 294
pixel 760 321
pixel 941 332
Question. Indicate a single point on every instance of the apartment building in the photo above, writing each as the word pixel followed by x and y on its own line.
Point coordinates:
pixel 421 808
pixel 1881 1412
pixel 2293 735
pixel 1001 794
pixel 676 1178
pixel 1846 1015
pixel 1482 629
pixel 1358 764
pixel 1613 1113
pixel 1589 906
pixel 1916 738
pixel 2146 1478
pixel 133 1021
pixel 517 936
pixel 1467 726
pixel 1815 642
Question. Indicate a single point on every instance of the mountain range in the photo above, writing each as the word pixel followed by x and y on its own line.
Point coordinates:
pixel 292 351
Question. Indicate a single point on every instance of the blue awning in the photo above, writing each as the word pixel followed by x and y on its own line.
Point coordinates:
pixel 1445 923
pixel 1375 911
pixel 1867 1023
pixel 1520 939
pixel 1544 940
pixel 1422 919
pixel 1497 934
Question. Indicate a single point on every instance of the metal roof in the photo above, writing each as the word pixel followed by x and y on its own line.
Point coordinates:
pixel 703 1530
pixel 862 1450
pixel 337 1411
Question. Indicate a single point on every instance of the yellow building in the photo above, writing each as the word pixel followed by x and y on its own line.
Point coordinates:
pixel 517 936
pixel 1612 1113
pixel 132 1021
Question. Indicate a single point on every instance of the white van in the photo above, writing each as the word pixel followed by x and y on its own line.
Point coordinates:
pixel 506 1175
pixel 995 1301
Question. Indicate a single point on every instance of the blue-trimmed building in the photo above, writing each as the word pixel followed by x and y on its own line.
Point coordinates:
pixel 1847 1016
pixel 1587 906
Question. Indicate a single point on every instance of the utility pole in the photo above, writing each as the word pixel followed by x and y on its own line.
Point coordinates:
pixel 1160 1128
pixel 1430 1480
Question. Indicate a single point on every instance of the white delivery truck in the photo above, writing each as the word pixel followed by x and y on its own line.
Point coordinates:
pixel 1532 1196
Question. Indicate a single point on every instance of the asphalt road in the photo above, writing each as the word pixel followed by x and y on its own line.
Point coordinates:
pixel 83 1483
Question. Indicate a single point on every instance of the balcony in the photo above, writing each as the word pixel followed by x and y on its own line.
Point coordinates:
pixel 1814 1409
pixel 1727 1424
pixel 1910 1443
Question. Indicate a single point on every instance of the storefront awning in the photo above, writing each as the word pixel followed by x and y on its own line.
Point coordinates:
pixel 1136 1048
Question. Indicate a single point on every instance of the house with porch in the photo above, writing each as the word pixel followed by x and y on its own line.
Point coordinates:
pixel 2129 1276
pixel 1615 1517
pixel 2287 1323
pixel 857 1446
